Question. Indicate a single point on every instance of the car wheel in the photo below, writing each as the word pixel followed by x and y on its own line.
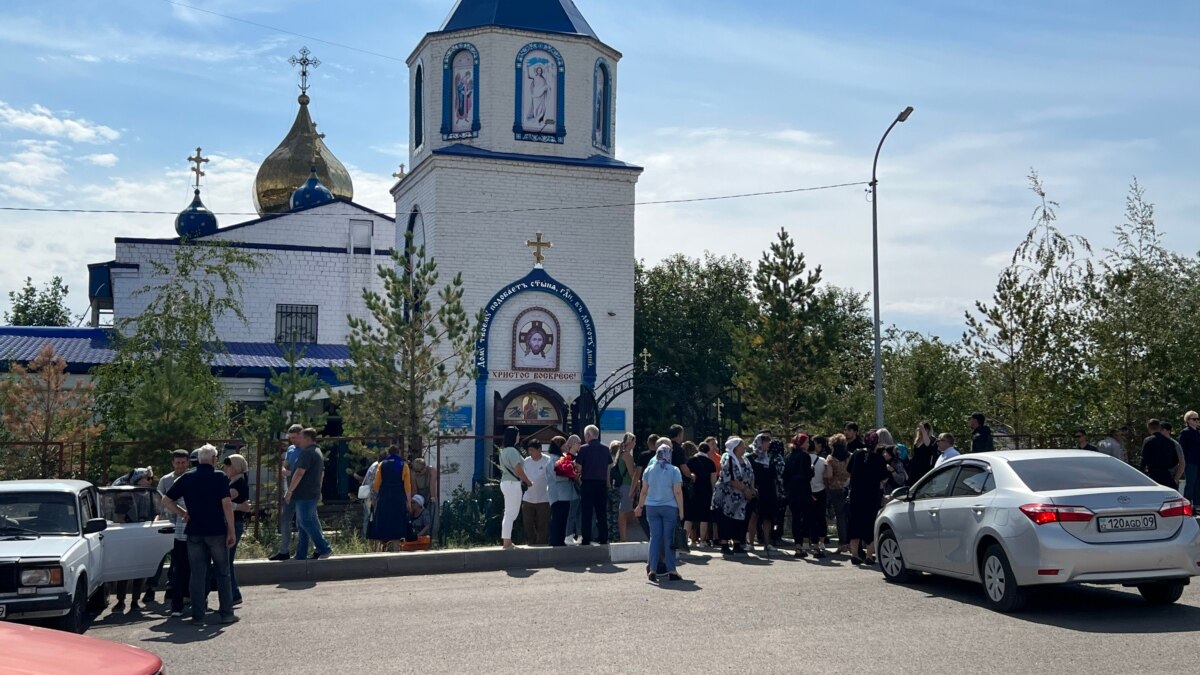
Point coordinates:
pixel 999 584
pixel 75 620
pixel 891 561
pixel 1163 593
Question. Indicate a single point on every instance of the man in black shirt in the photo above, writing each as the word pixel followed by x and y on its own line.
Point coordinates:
pixel 853 440
pixel 981 434
pixel 1081 439
pixel 1160 459
pixel 210 531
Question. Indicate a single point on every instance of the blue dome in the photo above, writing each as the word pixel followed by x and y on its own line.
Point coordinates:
pixel 196 220
pixel 312 193
pixel 541 16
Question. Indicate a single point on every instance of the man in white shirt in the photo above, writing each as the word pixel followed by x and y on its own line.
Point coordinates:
pixel 945 443
pixel 1111 445
pixel 535 503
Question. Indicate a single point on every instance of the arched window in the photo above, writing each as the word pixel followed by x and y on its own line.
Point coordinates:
pixel 540 95
pixel 418 104
pixel 460 92
pixel 602 107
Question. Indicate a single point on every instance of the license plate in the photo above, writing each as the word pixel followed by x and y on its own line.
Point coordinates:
pixel 1127 523
pixel 3 611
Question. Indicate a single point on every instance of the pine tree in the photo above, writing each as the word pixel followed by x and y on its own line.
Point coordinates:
pixel 413 358
pixel 39 407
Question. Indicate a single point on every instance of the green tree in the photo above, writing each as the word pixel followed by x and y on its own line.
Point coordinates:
pixel 692 317
pixel 790 347
pixel 289 398
pixel 1032 336
pixel 927 380
pixel 413 358
pixel 159 388
pixel 1147 301
pixel 31 307
pixel 841 388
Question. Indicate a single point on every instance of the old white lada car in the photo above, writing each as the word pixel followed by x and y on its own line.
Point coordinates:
pixel 62 540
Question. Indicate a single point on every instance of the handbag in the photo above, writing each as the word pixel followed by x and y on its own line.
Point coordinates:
pixel 364 492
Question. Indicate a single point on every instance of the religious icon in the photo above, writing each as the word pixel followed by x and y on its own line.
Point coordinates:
pixel 539 97
pixel 535 341
pixel 530 408
pixel 463 92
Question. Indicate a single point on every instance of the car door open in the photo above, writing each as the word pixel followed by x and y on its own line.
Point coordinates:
pixel 136 538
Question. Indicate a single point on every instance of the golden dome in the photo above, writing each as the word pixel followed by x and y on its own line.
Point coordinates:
pixel 289 166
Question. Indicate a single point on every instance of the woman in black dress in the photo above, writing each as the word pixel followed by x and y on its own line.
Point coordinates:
pixel 924 453
pixel 797 481
pixel 867 473
pixel 697 508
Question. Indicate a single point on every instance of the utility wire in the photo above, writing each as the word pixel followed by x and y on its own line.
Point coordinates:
pixel 465 213
pixel 280 30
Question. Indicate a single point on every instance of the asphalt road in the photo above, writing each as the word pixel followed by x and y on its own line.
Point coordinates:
pixel 757 616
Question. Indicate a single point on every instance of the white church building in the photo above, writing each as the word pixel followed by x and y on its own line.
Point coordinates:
pixel 514 183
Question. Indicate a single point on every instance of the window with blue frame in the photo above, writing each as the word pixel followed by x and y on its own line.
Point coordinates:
pixel 602 107
pixel 419 107
pixel 540 95
pixel 460 87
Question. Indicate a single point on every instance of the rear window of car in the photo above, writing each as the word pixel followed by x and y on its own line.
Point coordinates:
pixel 1077 473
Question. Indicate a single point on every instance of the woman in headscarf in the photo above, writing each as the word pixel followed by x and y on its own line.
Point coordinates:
pixel 393 484
pixel 766 479
pixel 732 494
pixel 897 475
pixel 835 487
pixel 698 503
pixel 867 473
pixel 662 501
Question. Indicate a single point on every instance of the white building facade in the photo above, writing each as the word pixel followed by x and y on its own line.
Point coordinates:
pixel 512 130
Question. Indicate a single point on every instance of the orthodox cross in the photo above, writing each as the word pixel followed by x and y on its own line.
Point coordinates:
pixel 315 128
pixel 645 357
pixel 304 62
pixel 537 245
pixel 198 161
pixel 400 173
pixel 720 408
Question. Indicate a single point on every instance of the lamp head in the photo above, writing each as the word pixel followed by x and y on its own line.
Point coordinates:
pixel 904 114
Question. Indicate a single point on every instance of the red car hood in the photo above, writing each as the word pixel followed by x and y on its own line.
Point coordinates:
pixel 28 650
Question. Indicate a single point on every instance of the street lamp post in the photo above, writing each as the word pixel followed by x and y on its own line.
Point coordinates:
pixel 875 266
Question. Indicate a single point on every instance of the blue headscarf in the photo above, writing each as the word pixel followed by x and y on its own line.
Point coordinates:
pixel 662 456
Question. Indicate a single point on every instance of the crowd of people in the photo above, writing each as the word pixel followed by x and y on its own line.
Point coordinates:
pixel 740 494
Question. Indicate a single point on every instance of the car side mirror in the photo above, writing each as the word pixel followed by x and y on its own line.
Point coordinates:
pixel 900 493
pixel 95 525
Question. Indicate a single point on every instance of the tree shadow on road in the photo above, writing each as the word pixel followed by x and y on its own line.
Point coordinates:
pixel 1087 609
pixel 297 585
pixel 599 568
pixel 520 572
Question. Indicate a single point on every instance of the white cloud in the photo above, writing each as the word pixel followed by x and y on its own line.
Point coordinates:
pixel 41 120
pixel 36 164
pixel 102 159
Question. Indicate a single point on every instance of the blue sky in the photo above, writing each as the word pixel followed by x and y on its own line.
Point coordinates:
pixel 101 102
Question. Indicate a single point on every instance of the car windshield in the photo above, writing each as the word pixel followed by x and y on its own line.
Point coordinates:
pixel 38 513
pixel 1077 473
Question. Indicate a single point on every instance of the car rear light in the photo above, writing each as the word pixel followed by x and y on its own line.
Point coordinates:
pixel 1048 573
pixel 1176 508
pixel 1044 514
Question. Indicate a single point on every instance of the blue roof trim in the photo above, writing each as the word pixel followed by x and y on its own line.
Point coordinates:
pixel 595 161
pixel 85 348
pixel 261 247
pixel 545 16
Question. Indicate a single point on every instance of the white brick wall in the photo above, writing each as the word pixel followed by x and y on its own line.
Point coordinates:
pixel 332 281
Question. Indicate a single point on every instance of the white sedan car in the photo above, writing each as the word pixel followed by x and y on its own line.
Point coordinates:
pixel 1019 519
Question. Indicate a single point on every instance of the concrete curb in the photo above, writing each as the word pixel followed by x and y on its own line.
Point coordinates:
pixel 417 563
